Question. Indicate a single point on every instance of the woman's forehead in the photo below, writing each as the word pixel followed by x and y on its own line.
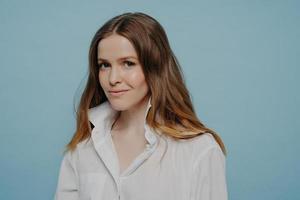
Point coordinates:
pixel 115 46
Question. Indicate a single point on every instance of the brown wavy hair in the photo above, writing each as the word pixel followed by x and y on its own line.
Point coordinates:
pixel 170 98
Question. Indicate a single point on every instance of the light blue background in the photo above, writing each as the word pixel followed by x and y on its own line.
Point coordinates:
pixel 240 60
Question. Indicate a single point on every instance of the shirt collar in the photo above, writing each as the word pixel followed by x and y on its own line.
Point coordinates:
pixel 102 117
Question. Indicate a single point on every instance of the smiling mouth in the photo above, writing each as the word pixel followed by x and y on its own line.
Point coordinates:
pixel 117 93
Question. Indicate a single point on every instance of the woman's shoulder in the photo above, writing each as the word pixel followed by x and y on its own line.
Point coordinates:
pixel 200 142
pixel 197 146
pixel 81 147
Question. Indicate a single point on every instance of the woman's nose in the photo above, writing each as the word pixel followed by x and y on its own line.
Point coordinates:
pixel 115 75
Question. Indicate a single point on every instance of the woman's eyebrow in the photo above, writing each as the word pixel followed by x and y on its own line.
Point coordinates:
pixel 123 58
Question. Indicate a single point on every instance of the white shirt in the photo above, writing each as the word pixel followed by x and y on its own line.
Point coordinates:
pixel 192 169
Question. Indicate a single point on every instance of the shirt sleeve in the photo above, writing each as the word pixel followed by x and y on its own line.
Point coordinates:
pixel 209 178
pixel 67 186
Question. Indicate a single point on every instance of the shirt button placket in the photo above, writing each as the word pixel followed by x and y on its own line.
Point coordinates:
pixel 119 196
pixel 119 188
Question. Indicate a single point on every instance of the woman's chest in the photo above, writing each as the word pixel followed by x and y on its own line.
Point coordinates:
pixel 142 185
pixel 162 175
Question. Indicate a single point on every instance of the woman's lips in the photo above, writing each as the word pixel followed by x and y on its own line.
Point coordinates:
pixel 117 93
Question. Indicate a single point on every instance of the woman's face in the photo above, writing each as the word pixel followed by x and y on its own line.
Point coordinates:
pixel 120 70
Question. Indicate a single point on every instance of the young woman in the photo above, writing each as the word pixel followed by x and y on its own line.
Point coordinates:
pixel 138 136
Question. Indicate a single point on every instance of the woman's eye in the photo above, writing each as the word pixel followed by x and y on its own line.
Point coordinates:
pixel 129 63
pixel 100 65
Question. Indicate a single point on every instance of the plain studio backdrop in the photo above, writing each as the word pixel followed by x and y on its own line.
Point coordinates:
pixel 240 61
